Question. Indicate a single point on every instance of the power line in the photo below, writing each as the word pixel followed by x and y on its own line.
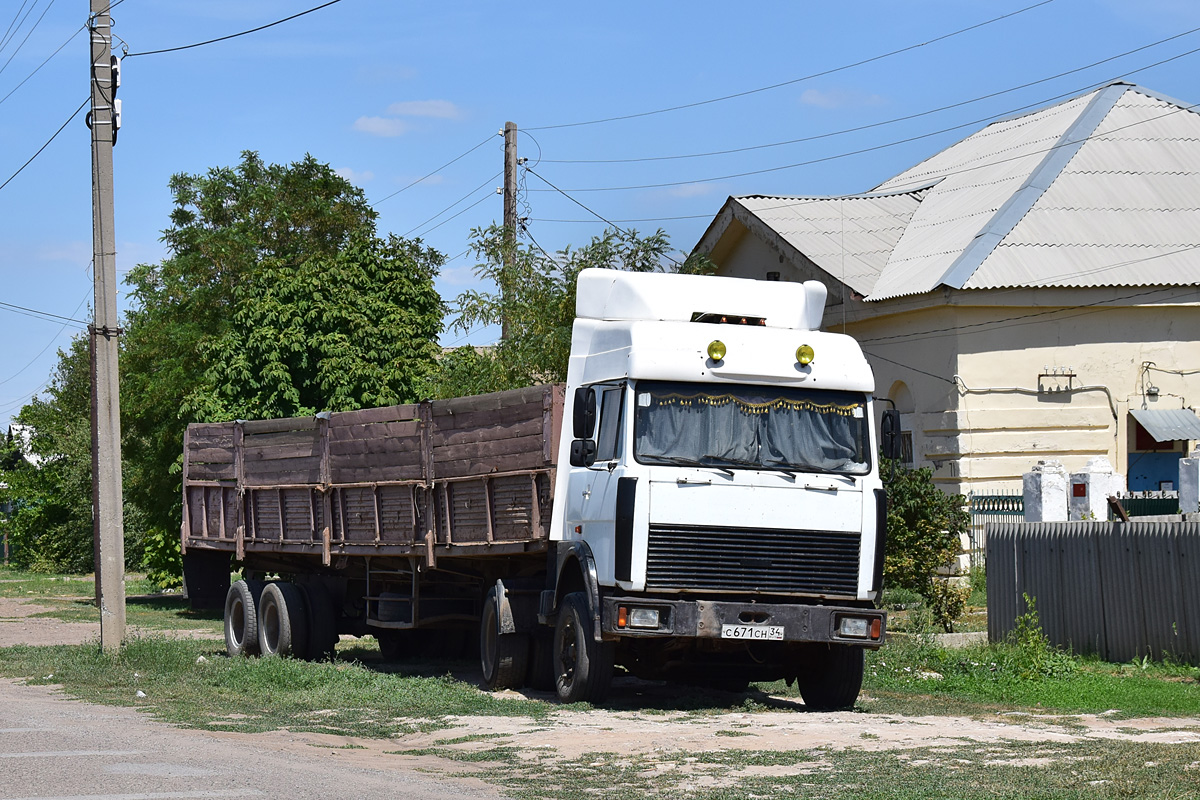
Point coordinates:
pixel 455 216
pixel 49 344
pixel 11 32
pixel 42 315
pixel 27 35
pixel 877 147
pixel 47 144
pixel 606 221
pixel 435 172
pixel 44 63
pixel 794 80
pixel 452 205
pixel 233 35
pixel 894 120
pixel 38 68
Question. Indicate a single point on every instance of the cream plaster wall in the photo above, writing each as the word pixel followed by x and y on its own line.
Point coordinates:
pixel 981 430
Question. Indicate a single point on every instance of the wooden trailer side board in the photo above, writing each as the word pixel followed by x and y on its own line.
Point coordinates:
pixel 458 475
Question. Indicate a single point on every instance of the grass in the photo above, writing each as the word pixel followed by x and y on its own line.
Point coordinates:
pixel 193 683
pixel 1095 769
pixel 161 612
pixel 20 583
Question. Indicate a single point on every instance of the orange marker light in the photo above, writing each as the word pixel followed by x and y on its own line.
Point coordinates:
pixel 622 616
pixel 876 628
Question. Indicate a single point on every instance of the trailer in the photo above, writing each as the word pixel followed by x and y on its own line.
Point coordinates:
pixel 713 512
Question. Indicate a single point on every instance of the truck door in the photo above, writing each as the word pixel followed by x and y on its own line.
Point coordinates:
pixel 592 493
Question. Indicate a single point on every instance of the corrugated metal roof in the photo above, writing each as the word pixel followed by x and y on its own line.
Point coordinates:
pixel 1168 425
pixel 848 237
pixel 1125 211
pixel 980 174
pixel 1099 190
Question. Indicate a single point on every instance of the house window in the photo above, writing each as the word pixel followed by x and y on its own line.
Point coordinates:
pixel 906 448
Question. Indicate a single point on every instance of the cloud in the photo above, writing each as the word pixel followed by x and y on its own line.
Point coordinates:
pixel 840 98
pixel 353 176
pixel 381 126
pixel 691 190
pixel 438 109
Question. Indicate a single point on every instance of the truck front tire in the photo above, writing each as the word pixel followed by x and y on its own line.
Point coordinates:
pixel 503 656
pixel 833 678
pixel 241 618
pixel 583 667
pixel 282 621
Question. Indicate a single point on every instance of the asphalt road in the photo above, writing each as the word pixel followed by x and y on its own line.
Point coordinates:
pixel 52 748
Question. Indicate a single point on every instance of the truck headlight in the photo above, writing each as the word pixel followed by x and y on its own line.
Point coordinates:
pixel 643 617
pixel 853 627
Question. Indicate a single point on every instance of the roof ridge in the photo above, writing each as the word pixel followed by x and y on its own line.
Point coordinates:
pixel 1039 180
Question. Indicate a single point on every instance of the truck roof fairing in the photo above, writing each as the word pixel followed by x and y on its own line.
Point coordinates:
pixel 608 294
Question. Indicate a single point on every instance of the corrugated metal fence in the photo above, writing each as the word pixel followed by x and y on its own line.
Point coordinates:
pixel 1122 590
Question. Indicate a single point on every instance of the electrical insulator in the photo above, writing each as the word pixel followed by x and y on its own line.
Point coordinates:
pixel 114 84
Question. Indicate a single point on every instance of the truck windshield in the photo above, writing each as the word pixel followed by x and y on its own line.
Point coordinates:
pixel 755 427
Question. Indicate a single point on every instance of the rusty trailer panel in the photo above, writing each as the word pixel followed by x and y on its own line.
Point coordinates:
pixel 465 476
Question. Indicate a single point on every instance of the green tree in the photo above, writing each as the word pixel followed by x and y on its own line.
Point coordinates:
pixel 277 299
pixel 535 294
pixel 924 526
pixel 51 495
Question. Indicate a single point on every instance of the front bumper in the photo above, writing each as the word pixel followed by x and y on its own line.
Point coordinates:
pixel 708 619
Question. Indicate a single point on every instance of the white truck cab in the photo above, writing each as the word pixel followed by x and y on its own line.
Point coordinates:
pixel 723 492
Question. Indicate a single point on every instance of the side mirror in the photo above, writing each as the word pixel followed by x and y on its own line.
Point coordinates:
pixel 584 418
pixel 889 434
pixel 583 453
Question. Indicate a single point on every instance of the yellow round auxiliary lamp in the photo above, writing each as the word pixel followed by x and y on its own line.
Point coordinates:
pixel 805 355
pixel 716 350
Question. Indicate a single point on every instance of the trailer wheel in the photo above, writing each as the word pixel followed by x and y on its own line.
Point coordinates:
pixel 583 667
pixel 322 622
pixel 504 656
pixel 833 679
pixel 282 621
pixel 241 618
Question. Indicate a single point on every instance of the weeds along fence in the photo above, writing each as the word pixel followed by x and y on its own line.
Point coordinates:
pixel 988 509
pixel 1120 590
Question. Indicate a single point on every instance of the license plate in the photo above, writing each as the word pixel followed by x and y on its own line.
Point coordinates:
pixel 773 633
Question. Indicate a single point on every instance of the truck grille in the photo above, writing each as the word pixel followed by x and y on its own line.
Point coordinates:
pixel 752 560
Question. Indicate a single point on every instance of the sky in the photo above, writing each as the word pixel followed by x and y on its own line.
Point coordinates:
pixel 818 99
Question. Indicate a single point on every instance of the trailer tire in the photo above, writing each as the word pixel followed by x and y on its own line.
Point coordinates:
pixel 241 618
pixel 583 667
pixel 833 678
pixel 503 656
pixel 322 622
pixel 282 621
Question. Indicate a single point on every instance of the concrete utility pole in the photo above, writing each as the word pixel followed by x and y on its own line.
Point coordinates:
pixel 510 207
pixel 106 420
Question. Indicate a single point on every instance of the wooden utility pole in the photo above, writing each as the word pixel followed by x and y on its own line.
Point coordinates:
pixel 106 420
pixel 510 211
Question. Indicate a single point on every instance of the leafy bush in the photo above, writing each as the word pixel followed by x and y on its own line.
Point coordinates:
pixel 923 528
pixel 1032 656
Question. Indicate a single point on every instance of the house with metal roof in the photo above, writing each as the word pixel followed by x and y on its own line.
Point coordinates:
pixel 1031 292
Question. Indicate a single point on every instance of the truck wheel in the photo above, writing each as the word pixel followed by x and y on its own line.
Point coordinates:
pixel 241 618
pixel 833 679
pixel 504 656
pixel 282 621
pixel 322 622
pixel 583 667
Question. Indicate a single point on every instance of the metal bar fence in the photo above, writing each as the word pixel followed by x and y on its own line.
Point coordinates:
pixel 1148 504
pixel 994 507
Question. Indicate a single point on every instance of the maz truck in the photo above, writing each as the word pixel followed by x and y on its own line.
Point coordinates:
pixel 701 502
